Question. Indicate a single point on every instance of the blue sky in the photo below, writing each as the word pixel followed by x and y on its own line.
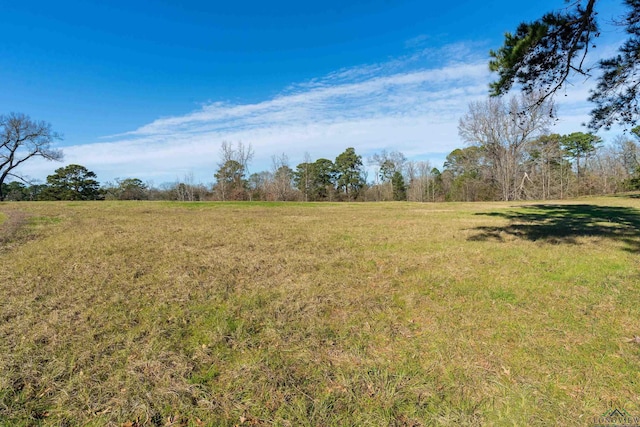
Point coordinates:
pixel 151 89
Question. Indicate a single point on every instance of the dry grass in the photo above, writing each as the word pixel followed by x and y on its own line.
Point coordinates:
pixel 12 228
pixel 319 314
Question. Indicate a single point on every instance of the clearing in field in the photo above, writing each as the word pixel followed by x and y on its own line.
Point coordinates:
pixel 398 314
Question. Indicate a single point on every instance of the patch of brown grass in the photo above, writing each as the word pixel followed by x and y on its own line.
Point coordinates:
pixel 12 227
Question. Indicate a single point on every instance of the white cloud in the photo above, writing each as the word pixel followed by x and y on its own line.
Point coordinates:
pixel 411 104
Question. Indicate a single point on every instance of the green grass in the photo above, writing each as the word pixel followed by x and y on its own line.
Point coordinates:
pixel 394 314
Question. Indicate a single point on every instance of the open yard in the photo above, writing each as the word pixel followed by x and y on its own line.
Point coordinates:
pixel 389 314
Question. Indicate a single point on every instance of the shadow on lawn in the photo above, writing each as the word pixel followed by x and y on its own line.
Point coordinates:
pixel 564 223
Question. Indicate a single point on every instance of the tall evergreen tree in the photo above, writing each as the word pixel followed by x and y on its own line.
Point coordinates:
pixel 542 55
pixel 579 145
pixel 399 188
pixel 348 167
pixel 230 181
pixel 72 182
pixel 315 180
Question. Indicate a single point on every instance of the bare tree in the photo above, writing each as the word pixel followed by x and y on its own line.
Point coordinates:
pixel 245 155
pixel 545 165
pixel 22 139
pixel 185 188
pixel 232 169
pixel 628 152
pixel 282 178
pixel 608 171
pixel 503 130
pixel 421 182
pixel 306 176
pixel 386 164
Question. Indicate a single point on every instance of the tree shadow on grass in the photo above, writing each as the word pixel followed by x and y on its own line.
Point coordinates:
pixel 554 223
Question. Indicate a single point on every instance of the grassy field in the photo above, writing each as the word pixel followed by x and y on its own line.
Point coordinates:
pixel 393 314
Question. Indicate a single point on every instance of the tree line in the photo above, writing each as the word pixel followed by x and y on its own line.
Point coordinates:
pixel 549 166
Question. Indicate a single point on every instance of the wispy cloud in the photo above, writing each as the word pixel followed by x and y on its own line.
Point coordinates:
pixel 411 104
